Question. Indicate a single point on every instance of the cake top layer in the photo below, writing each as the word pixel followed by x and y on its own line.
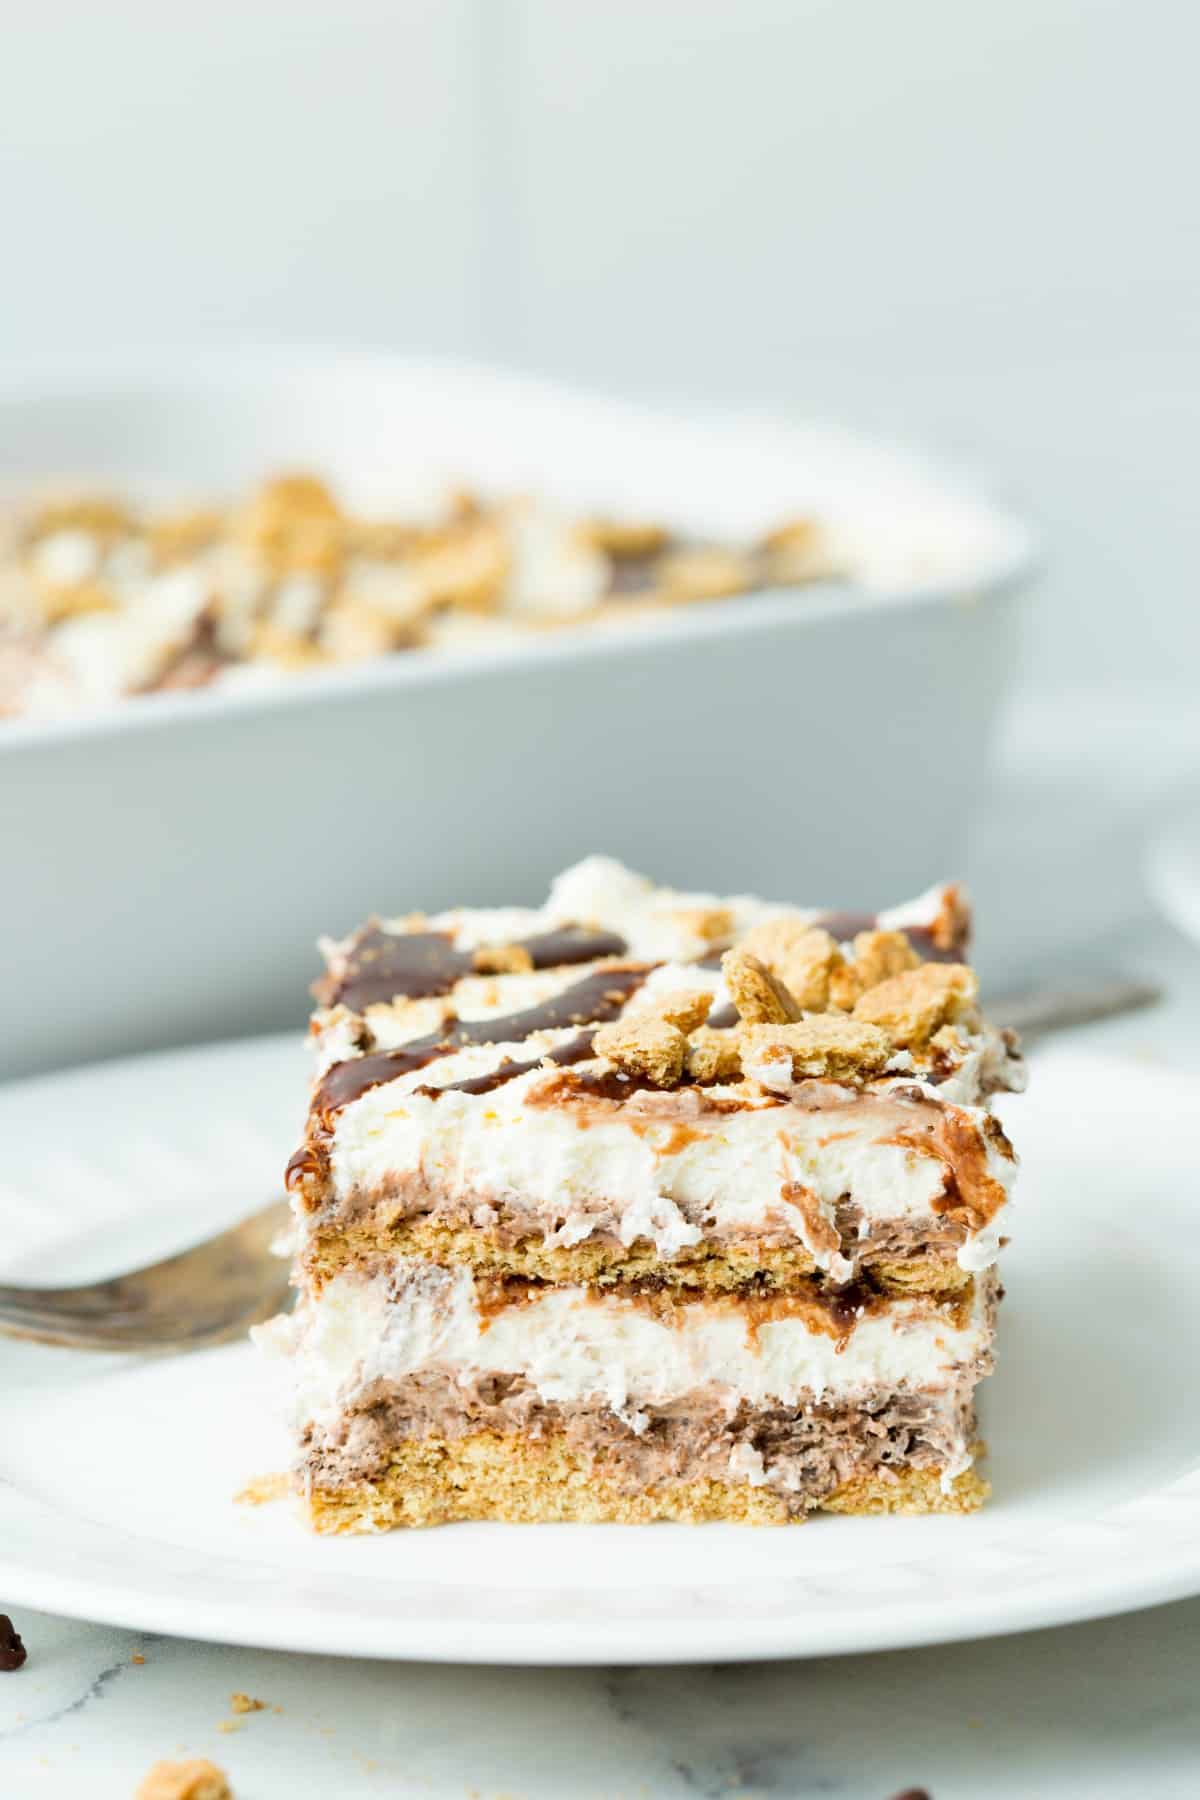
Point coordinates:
pixel 653 988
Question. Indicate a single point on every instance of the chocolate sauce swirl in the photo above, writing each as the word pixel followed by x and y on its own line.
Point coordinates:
pixel 419 965
pixel 597 998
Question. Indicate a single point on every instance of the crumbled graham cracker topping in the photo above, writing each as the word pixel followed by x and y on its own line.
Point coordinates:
pixel 804 958
pixel 705 574
pixel 291 578
pixel 912 1006
pixel 711 924
pixel 686 1010
pixel 759 996
pixel 74 600
pixel 648 1046
pixel 951 929
pixel 878 955
pixel 714 1055
pixel 827 1044
pixel 96 514
pixel 624 539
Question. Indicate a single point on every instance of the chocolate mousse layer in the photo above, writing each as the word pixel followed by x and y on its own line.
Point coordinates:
pixel 802 1454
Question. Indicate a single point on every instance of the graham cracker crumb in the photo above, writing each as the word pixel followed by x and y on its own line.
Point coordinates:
pixel 353 630
pixel 707 574
pixel 760 998
pixel 226 1726
pixel 828 1045
pixel 137 1657
pixel 803 958
pixel 714 1055
pixel 73 601
pixel 177 536
pixel 244 1703
pixel 383 540
pixel 951 930
pixel 197 1779
pixel 710 923
pixel 288 499
pixel 501 959
pixel 467 567
pixel 686 1010
pixel 797 550
pixel 263 1490
pixel 293 526
pixel 878 955
pixel 911 1007
pixel 96 514
pixel 646 1046
pixel 290 649
pixel 624 539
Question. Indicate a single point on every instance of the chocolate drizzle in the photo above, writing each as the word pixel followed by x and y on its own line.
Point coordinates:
pixel 575 1051
pixel 418 965
pixel 599 996
pixel 572 944
pixel 846 925
pixel 386 965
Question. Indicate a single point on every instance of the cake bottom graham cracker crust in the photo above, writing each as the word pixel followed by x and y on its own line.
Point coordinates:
pixel 517 1479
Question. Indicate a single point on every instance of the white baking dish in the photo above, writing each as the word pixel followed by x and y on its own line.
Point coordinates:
pixel 167 865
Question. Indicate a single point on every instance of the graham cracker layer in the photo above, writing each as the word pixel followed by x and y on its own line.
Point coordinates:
pixel 704 1268
pixel 512 1478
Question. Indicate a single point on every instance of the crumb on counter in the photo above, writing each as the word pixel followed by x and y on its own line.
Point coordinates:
pixel 196 1779
pixel 263 1490
pixel 13 1654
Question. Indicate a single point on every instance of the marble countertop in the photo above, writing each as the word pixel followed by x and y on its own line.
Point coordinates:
pixel 1086 1712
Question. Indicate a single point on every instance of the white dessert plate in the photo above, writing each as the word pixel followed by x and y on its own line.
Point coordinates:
pixel 118 1476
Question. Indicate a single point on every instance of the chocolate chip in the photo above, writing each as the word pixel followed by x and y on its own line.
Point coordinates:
pixel 913 1794
pixel 12 1650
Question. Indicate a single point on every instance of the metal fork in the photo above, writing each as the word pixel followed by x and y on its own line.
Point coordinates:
pixel 205 1295
pixel 228 1283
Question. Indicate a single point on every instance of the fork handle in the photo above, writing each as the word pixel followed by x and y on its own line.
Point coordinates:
pixel 1056 1009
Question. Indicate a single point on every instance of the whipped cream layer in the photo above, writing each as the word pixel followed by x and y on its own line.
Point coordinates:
pixel 654 1166
pixel 573 1346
